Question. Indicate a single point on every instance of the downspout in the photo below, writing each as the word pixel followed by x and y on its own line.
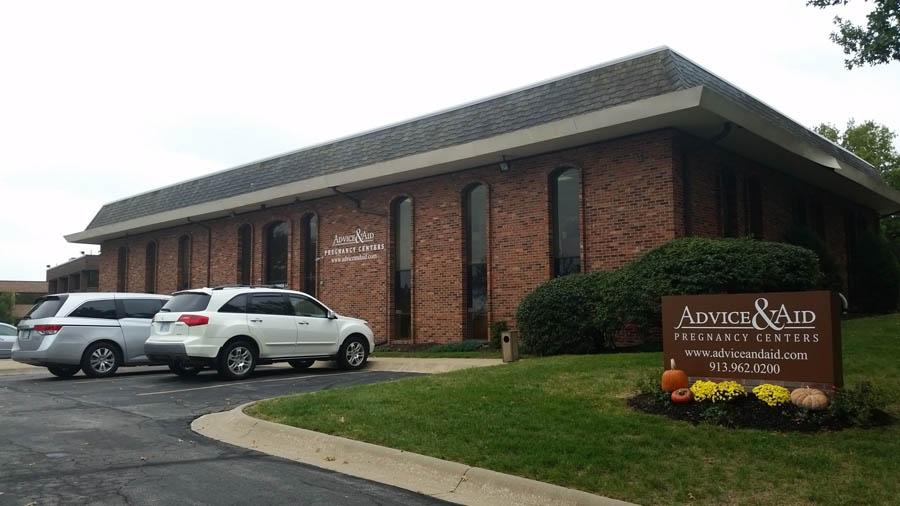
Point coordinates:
pixel 208 248
pixel 688 216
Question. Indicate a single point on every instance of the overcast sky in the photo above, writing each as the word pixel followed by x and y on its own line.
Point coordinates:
pixel 103 100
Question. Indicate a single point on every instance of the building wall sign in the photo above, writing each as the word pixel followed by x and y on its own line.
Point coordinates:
pixel 358 245
pixel 790 338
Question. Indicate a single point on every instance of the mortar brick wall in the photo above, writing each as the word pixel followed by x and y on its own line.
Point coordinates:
pixel 632 200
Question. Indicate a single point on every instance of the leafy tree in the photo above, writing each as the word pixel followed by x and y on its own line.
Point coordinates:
pixel 877 42
pixel 6 308
pixel 871 141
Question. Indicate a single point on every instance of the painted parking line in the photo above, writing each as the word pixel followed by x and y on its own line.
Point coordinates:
pixel 222 385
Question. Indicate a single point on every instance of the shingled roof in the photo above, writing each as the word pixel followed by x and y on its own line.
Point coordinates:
pixel 643 76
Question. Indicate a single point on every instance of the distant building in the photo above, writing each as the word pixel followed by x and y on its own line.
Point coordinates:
pixel 80 274
pixel 24 294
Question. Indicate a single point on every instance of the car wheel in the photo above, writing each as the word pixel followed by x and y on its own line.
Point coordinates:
pixel 353 353
pixel 184 370
pixel 64 371
pixel 237 360
pixel 100 360
pixel 301 365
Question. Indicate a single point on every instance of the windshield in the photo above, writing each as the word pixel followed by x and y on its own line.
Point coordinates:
pixel 186 301
pixel 45 307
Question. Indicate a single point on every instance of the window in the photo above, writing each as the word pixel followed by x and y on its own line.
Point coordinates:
pixel 566 248
pixel 188 301
pixel 184 263
pixel 46 307
pixel 121 272
pixel 475 211
pixel 274 304
pixel 310 226
pixel 276 238
pixel 142 308
pixel 104 309
pixel 150 268
pixel 729 203
pixel 245 254
pixel 798 208
pixel 93 279
pixel 401 235
pixel 817 217
pixel 306 307
pixel 7 331
pixel 754 208
pixel 235 305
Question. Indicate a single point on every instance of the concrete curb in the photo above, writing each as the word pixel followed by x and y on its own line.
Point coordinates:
pixel 450 481
pixel 8 366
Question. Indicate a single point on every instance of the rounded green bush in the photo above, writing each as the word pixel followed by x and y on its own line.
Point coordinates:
pixel 694 266
pixel 557 317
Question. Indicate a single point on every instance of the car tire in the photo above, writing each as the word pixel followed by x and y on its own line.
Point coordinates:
pixel 237 360
pixel 100 360
pixel 64 371
pixel 353 353
pixel 301 365
pixel 185 371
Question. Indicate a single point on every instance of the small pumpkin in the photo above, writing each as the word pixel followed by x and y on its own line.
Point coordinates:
pixel 809 398
pixel 673 379
pixel 682 396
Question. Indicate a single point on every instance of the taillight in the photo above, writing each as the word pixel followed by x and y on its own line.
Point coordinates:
pixel 193 319
pixel 46 330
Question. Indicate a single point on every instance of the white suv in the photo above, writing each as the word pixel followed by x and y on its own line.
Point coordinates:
pixel 235 328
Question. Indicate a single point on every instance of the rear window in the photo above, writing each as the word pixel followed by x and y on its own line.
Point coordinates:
pixel 235 305
pixel 141 308
pixel 105 309
pixel 186 301
pixel 46 307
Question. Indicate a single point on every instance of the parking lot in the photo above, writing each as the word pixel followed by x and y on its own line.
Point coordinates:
pixel 127 440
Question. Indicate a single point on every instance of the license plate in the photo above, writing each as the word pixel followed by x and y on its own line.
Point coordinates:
pixel 164 327
pixel 24 335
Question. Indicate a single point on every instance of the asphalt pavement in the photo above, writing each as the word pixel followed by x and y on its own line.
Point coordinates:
pixel 127 440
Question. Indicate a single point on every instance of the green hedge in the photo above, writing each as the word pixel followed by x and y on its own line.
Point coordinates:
pixel 558 316
pixel 876 274
pixel 582 313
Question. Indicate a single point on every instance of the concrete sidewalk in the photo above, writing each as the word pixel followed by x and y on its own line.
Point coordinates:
pixel 450 481
pixel 9 366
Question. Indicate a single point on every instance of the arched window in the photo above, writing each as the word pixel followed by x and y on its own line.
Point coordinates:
pixel 401 235
pixel 245 254
pixel 310 234
pixel 150 268
pixel 276 244
pixel 729 203
pixel 122 270
pixel 475 214
pixel 754 208
pixel 184 263
pixel 566 248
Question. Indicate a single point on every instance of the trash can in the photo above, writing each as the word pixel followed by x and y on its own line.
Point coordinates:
pixel 509 342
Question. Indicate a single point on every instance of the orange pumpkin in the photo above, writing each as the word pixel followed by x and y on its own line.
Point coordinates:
pixel 682 396
pixel 673 379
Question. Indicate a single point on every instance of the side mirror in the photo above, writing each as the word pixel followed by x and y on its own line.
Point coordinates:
pixel 331 315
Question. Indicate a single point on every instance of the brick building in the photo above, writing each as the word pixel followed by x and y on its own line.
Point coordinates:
pixel 435 227
pixel 81 274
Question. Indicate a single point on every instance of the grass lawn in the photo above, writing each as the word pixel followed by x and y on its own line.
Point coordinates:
pixel 564 420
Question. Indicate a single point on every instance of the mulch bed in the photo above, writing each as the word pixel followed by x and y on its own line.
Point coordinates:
pixel 747 412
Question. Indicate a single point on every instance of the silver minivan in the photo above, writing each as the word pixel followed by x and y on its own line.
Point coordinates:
pixel 93 332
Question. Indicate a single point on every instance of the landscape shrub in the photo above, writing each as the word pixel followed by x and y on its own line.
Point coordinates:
pixel 457 346
pixel 497 328
pixel 558 316
pixel 876 274
pixel 805 237
pixel 695 266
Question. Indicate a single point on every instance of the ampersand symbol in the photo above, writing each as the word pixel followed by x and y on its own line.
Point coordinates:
pixel 761 304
